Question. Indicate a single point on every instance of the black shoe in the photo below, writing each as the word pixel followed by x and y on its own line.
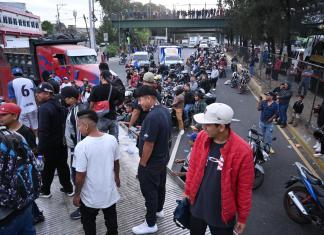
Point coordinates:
pixel 38 219
pixel 75 214
pixel 69 193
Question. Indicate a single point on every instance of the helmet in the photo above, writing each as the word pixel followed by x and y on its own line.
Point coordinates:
pixel 200 93
pixel 128 93
pixel 17 71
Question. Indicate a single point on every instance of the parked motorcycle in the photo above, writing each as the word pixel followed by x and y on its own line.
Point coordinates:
pixel 304 202
pixel 260 155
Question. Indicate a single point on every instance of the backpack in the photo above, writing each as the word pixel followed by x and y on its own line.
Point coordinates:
pixel 119 86
pixel 181 215
pixel 20 181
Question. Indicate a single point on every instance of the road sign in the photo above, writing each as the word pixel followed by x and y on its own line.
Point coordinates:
pixel 105 37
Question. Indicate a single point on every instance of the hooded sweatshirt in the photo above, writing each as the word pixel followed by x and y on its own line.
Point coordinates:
pixel 285 95
pixel 51 120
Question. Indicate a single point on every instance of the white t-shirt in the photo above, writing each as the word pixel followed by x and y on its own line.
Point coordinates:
pixel 96 156
pixel 23 90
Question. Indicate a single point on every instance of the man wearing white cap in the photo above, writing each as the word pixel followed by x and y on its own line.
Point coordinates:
pixel 220 175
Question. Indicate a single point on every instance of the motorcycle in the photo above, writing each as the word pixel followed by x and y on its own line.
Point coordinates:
pixel 245 78
pixel 235 80
pixel 122 60
pixel 260 155
pixel 304 203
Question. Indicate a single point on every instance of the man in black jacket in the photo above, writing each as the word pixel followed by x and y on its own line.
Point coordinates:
pixel 188 102
pixel 51 135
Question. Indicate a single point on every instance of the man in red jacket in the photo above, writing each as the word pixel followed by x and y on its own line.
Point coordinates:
pixel 220 176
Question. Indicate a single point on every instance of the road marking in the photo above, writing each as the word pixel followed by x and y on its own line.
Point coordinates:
pixel 174 152
pixel 300 155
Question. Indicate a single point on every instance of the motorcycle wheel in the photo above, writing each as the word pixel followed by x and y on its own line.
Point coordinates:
pixel 291 209
pixel 258 179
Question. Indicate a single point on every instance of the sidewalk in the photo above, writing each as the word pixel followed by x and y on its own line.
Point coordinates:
pixel 130 208
pixel 303 133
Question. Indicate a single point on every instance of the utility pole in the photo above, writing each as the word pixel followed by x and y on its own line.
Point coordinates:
pixel 92 34
pixel 75 13
pixel 58 8
pixel 85 20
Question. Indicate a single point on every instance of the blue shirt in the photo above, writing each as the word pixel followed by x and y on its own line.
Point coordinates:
pixel 268 111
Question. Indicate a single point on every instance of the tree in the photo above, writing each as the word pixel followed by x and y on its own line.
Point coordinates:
pixel 48 27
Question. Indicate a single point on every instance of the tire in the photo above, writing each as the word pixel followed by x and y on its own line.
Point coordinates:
pixel 290 208
pixel 258 179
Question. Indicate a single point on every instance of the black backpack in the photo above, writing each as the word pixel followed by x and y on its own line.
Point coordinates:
pixel 20 181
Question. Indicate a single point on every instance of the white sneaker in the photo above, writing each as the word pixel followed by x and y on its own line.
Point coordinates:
pixel 144 229
pixel 160 214
pixel 181 132
pixel 318 150
pixel 318 144
pixel 318 155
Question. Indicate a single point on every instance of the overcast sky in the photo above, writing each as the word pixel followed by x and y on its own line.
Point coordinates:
pixel 46 9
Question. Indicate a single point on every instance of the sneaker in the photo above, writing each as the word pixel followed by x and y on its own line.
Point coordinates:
pixel 144 229
pixel 76 214
pixel 38 219
pixel 272 150
pixel 181 132
pixel 69 193
pixel 318 155
pixel 318 144
pixel 160 214
pixel 318 150
pixel 44 195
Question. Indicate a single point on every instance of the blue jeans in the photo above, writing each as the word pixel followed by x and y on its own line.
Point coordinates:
pixel 283 113
pixel 267 130
pixel 22 224
pixel 108 126
pixel 251 68
pixel 187 108
pixel 304 85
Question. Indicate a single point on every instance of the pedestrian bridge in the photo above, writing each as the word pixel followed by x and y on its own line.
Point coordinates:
pixel 211 23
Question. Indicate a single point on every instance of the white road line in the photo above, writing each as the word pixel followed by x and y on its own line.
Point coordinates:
pixel 174 152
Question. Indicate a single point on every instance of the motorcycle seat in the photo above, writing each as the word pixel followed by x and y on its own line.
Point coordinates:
pixel 313 179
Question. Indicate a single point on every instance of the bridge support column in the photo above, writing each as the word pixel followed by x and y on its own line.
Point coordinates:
pixel 222 37
pixel 166 35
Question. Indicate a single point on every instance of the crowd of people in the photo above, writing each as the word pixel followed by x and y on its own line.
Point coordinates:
pixel 175 14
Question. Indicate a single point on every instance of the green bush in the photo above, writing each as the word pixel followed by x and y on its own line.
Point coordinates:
pixel 112 50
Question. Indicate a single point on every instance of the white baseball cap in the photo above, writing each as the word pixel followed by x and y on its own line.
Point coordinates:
pixel 216 113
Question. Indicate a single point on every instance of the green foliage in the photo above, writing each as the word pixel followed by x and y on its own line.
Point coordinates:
pixel 48 27
pixel 106 27
pixel 142 35
pixel 113 49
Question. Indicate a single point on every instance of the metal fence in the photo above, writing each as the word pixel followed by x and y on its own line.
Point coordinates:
pixel 273 69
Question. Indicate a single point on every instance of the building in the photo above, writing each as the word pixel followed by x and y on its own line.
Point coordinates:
pixel 17 25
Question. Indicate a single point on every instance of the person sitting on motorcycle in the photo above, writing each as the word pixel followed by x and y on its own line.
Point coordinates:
pixel 204 82
pixel 200 103
pixel 133 82
pixel 168 83
pixel 178 106
pixel 214 76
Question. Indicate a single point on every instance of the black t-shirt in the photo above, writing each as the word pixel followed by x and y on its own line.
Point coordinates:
pixel 208 206
pixel 29 136
pixel 143 113
pixel 189 98
pixel 156 128
pixel 101 93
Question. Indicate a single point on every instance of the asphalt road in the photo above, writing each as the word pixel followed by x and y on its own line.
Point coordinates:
pixel 267 215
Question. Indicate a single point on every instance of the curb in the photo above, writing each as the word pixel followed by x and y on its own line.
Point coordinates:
pixel 257 89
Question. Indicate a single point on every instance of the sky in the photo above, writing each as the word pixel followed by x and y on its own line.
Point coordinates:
pixel 47 9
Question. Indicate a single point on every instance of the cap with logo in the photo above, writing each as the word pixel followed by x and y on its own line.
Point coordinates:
pixel 269 93
pixel 149 77
pixel 216 113
pixel 45 87
pixel 17 71
pixel 11 108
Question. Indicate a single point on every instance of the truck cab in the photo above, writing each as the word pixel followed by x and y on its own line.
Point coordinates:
pixel 170 55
